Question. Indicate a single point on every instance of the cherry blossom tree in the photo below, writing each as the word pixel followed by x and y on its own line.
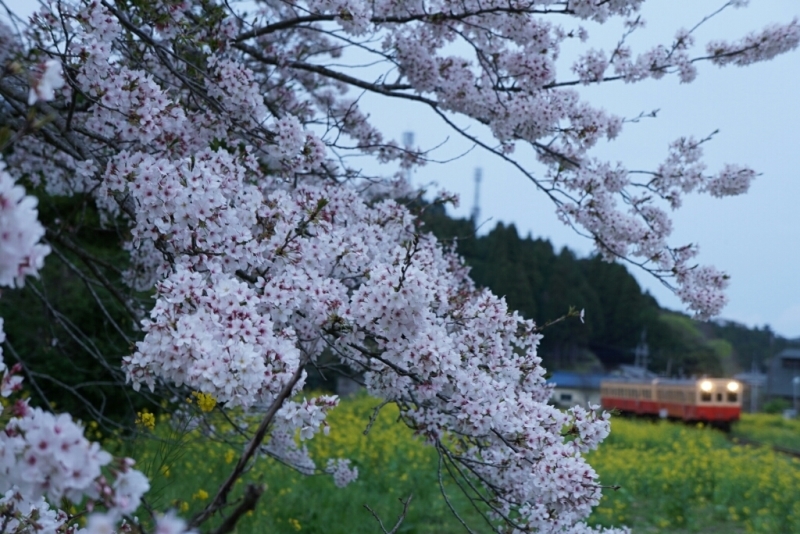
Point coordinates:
pixel 220 137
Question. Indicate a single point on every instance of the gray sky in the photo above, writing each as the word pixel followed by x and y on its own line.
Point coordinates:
pixel 754 237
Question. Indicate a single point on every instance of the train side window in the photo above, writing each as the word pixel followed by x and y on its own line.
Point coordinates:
pixel 732 397
pixel 705 397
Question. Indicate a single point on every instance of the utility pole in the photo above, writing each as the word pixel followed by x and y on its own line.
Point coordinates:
pixel 408 144
pixel 476 207
pixel 642 352
pixel 754 387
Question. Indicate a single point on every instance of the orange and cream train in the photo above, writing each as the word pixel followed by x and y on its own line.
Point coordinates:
pixel 716 401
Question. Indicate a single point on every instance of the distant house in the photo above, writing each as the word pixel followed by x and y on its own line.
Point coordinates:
pixel 753 393
pixel 783 368
pixel 573 388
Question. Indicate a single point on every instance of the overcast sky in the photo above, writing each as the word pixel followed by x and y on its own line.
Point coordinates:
pixel 754 237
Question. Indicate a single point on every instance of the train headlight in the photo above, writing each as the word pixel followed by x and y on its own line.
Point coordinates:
pixel 733 386
pixel 706 385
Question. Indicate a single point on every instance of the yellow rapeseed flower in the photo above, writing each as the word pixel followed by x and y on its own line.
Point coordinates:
pixel 201 495
pixel 146 419
pixel 205 401
pixel 295 523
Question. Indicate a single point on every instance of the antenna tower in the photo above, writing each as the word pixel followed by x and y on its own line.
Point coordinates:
pixel 408 144
pixel 476 208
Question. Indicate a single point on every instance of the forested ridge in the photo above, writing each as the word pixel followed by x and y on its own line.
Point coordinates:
pixel 542 283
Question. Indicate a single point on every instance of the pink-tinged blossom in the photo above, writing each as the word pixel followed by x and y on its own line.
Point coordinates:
pixel 343 474
pixel 170 523
pixel 21 253
pixel 101 524
pixel 11 381
pixel 757 46
pixel 591 67
pixel 20 513
pixel 129 486
pixel 46 82
pixel 731 180
pixel 45 458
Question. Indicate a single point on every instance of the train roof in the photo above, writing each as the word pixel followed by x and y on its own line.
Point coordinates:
pixel 662 381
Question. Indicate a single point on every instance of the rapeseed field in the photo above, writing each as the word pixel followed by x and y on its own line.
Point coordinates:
pixel 668 478
pixel 675 478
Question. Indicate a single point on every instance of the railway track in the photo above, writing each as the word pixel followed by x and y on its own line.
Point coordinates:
pixel 777 448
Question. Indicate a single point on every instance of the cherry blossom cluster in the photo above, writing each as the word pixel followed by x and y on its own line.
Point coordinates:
pixel 45 458
pixel 11 381
pixel 46 82
pixel 223 145
pixel 21 515
pixel 21 253
pixel 341 471
pixel 642 230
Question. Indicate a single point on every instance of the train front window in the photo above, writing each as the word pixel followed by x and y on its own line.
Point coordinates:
pixel 705 396
pixel 719 397
pixel 732 397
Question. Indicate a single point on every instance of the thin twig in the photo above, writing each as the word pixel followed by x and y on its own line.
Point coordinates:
pixel 400 518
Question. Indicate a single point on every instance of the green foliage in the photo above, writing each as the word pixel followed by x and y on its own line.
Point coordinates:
pixel 750 345
pixel 776 406
pixel 681 348
pixel 543 284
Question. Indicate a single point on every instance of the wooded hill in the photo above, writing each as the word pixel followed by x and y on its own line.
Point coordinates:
pixel 542 284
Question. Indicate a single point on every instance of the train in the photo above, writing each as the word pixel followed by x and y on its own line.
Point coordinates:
pixel 715 401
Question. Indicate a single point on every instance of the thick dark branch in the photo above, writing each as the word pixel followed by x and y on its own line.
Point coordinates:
pixel 221 497
pixel 384 89
pixel 432 18
pixel 249 501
